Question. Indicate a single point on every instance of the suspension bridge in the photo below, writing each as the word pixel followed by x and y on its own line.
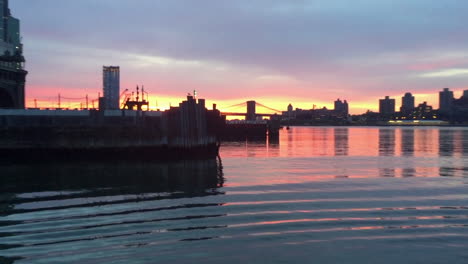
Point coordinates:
pixel 251 110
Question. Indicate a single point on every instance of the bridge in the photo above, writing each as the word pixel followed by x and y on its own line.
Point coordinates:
pixel 251 110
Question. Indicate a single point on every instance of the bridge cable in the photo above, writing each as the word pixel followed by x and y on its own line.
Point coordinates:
pixel 269 108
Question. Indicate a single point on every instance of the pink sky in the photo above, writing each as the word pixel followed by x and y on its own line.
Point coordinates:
pixel 305 53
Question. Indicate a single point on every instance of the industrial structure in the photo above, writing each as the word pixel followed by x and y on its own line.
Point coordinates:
pixel 12 73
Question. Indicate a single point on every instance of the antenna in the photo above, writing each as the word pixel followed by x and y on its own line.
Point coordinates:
pixel 138 94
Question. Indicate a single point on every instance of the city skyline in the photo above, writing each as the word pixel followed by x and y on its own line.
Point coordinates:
pixel 302 53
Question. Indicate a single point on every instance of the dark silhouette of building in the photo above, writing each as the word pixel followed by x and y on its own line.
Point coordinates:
pixel 337 116
pixel 445 101
pixel 460 109
pixel 341 108
pixel 387 106
pixel 407 103
pixel 424 111
pixel 12 73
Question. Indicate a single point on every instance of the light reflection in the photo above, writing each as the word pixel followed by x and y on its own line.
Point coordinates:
pixel 323 153
pixel 407 150
pixel 387 148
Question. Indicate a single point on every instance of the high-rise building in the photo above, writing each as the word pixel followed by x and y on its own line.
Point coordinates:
pixel 407 103
pixel 111 85
pixel 341 107
pixel 465 94
pixel 445 100
pixel 387 106
pixel 12 73
pixel 10 40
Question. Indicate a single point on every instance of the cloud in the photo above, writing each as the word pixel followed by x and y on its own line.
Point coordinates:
pixel 312 49
pixel 445 73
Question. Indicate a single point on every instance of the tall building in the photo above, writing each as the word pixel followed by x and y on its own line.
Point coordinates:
pixel 111 85
pixel 12 73
pixel 445 100
pixel 341 107
pixel 465 94
pixel 407 103
pixel 10 39
pixel 387 106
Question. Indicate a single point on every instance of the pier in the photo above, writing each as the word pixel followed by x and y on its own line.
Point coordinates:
pixel 186 131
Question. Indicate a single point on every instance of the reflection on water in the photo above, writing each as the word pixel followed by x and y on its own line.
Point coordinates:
pixel 319 194
pixel 42 182
pixel 387 148
pixel 341 141
pixel 187 176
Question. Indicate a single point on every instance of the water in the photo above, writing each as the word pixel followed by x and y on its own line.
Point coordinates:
pixel 318 195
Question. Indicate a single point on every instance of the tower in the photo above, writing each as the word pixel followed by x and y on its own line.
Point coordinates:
pixel 341 108
pixel 445 100
pixel 407 103
pixel 12 73
pixel 387 106
pixel 251 115
pixel 111 87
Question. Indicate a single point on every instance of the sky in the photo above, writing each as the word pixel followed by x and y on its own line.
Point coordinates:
pixel 303 52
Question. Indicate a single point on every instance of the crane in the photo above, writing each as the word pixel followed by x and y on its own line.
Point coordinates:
pixel 125 99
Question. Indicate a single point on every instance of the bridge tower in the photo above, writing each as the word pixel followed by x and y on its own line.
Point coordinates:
pixel 251 115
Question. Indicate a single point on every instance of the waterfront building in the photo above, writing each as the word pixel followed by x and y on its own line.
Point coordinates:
pixel 12 73
pixel 445 100
pixel 387 106
pixel 111 86
pixel 341 108
pixel 460 109
pixel 407 103
pixel 424 111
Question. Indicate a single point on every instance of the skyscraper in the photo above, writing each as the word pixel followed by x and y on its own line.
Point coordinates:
pixel 407 103
pixel 387 106
pixel 341 107
pixel 12 73
pixel 10 40
pixel 111 85
pixel 445 100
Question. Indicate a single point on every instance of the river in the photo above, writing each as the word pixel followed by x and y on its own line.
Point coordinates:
pixel 316 195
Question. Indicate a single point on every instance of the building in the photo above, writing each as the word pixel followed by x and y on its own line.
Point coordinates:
pixel 407 103
pixel 339 115
pixel 460 109
pixel 10 39
pixel 445 100
pixel 387 106
pixel 341 108
pixel 424 111
pixel 111 86
pixel 12 73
